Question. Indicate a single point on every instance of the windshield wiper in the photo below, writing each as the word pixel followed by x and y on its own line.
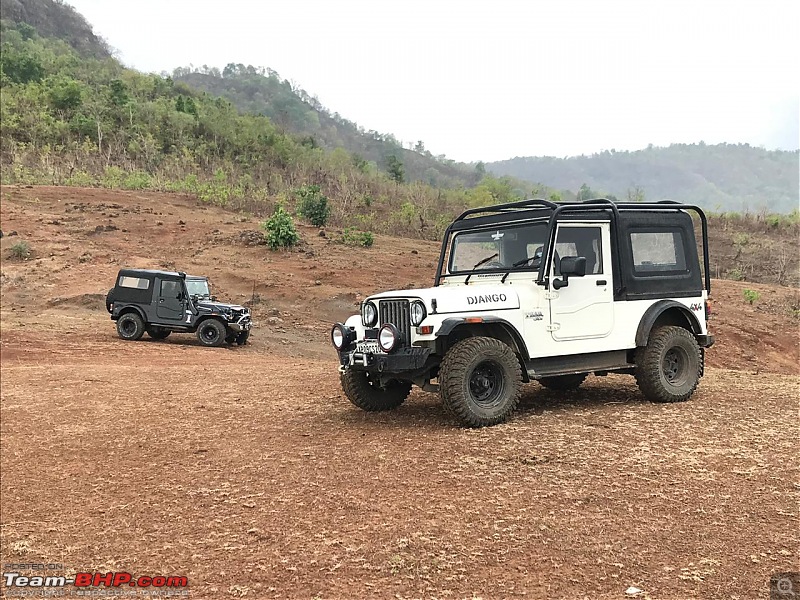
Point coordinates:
pixel 519 263
pixel 478 264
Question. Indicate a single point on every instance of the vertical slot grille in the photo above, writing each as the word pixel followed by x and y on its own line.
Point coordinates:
pixel 398 313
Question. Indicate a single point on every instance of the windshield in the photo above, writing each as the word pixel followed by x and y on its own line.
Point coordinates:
pixel 197 287
pixel 500 249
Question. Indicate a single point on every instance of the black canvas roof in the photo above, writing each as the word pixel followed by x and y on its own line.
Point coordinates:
pixel 157 273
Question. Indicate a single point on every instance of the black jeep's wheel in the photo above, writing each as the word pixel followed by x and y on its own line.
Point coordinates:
pixel 130 326
pixel 211 333
pixel 158 333
pixel 669 367
pixel 230 338
pixel 368 395
pixel 563 383
pixel 480 380
pixel 242 338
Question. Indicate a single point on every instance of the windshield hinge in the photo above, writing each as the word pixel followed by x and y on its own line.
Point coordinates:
pixel 553 327
pixel 550 295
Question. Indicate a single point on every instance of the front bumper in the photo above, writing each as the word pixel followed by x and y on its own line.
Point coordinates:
pixel 243 324
pixel 402 360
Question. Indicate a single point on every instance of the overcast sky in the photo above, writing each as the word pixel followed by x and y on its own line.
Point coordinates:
pixel 488 80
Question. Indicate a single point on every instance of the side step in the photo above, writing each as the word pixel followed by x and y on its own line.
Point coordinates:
pixel 615 360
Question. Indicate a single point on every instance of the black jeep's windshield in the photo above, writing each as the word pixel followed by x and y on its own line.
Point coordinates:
pixel 197 287
pixel 499 249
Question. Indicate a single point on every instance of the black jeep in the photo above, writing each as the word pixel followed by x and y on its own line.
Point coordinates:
pixel 160 302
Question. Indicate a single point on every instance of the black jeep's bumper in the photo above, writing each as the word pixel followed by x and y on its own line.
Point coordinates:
pixel 402 360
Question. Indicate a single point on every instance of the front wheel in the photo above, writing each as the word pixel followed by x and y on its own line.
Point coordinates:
pixel 480 381
pixel 211 333
pixel 668 369
pixel 242 338
pixel 368 395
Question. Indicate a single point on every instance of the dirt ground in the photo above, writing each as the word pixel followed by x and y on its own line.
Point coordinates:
pixel 246 469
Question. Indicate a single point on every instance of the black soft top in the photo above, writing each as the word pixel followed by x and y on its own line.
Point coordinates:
pixel 150 273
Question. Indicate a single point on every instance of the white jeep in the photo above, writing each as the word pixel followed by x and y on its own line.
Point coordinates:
pixel 536 290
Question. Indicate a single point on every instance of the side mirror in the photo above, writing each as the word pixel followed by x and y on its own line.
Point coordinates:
pixel 574 266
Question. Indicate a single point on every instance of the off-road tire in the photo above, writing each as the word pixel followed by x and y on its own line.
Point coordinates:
pixel 158 333
pixel 109 299
pixel 230 338
pixel 563 383
pixel 242 338
pixel 212 333
pixel 668 369
pixel 370 397
pixel 480 381
pixel 130 326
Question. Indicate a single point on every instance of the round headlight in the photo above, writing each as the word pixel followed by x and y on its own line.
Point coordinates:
pixel 388 337
pixel 369 314
pixel 418 313
pixel 337 336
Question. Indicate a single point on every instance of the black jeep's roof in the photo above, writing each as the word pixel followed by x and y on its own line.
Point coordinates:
pixel 157 273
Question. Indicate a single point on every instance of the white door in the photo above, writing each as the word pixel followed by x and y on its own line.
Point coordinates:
pixel 583 309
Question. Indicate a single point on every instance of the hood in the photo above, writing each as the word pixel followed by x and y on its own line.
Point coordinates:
pixel 455 299
pixel 218 306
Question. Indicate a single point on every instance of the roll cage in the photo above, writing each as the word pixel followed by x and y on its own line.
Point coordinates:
pixel 538 208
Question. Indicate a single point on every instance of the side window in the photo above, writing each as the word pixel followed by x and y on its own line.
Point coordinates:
pixel 580 241
pixel 170 289
pixel 657 252
pixel 136 283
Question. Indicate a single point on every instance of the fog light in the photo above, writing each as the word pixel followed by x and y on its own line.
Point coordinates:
pixel 337 336
pixel 388 337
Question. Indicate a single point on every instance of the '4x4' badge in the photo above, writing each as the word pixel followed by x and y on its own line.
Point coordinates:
pixel 696 306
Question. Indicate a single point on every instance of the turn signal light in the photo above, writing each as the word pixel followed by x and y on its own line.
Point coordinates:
pixel 708 309
pixel 425 330
pixel 474 319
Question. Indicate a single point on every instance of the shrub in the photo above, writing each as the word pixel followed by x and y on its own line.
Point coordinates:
pixel 313 205
pixel 751 296
pixel 21 250
pixel 280 230
pixel 736 274
pixel 353 237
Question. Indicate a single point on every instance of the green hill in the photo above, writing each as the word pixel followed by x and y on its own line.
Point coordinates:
pixel 257 90
pixel 722 177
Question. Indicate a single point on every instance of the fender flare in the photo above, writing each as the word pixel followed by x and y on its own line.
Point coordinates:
pixel 449 324
pixel 656 310
pixel 134 309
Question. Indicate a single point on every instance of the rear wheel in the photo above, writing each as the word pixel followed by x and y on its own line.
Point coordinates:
pixel 563 383
pixel 668 369
pixel 130 326
pixel 368 395
pixel 158 333
pixel 480 381
pixel 211 333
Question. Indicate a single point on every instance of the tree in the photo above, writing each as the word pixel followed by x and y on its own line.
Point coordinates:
pixel 395 168
pixel 636 194
pixel 586 193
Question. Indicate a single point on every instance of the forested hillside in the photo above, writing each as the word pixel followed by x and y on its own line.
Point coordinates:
pixel 258 90
pixel 722 177
pixel 76 118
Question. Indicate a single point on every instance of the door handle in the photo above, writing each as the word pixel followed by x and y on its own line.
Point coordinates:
pixel 601 282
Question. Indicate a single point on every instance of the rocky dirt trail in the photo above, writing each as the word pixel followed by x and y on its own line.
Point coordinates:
pixel 246 470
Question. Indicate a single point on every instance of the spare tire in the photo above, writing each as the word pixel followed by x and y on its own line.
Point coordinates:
pixel 109 299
